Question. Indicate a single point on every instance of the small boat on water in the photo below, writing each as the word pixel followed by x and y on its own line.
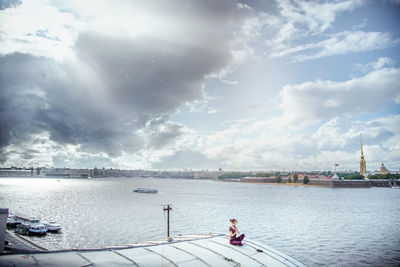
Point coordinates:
pixel 30 226
pixel 53 226
pixel 34 227
pixel 145 190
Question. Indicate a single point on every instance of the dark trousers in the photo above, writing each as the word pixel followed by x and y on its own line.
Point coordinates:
pixel 237 241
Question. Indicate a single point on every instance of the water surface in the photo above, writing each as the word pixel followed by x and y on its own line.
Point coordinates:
pixel 318 226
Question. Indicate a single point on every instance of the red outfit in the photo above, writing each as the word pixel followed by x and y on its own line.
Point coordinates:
pixel 237 241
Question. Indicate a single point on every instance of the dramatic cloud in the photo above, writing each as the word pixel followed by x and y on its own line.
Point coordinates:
pixel 110 94
pixel 198 84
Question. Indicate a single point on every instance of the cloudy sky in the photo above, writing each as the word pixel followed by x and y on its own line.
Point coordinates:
pixel 241 85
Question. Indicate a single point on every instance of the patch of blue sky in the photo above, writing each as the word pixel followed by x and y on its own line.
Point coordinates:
pixel 389 108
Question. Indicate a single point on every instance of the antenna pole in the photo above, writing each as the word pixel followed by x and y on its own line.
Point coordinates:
pixel 168 208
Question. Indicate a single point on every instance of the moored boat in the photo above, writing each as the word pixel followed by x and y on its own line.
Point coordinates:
pixel 25 225
pixel 37 228
pixel 53 226
pixel 34 228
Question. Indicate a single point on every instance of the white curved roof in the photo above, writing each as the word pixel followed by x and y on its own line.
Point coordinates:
pixel 188 250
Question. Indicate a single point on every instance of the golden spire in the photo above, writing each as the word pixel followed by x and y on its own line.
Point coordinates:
pixel 363 168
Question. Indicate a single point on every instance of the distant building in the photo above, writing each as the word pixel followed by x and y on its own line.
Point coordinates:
pixel 16 172
pixel 363 166
pixel 383 170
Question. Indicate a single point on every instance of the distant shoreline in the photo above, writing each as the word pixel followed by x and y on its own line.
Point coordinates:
pixel 280 184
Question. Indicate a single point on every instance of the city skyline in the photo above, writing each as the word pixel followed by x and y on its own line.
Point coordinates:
pixel 237 85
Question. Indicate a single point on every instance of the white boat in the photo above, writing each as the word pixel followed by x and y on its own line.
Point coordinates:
pixel 146 190
pixel 53 226
pixel 29 225
pixel 36 227
pixel 33 228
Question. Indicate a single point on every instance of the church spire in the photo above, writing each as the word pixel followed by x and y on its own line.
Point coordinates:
pixel 363 168
pixel 362 153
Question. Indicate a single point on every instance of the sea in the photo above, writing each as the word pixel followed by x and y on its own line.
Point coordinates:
pixel 317 226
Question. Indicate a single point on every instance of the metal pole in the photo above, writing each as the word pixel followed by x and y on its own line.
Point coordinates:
pixel 168 208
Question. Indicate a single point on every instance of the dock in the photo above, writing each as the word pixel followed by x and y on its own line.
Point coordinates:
pixel 19 244
pixel 184 250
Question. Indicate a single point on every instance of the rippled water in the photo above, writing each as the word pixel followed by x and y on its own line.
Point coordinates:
pixel 318 226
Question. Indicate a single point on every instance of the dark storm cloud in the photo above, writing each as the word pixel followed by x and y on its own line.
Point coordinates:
pixel 18 98
pixel 9 3
pixel 120 84
pixel 161 132
pixel 40 95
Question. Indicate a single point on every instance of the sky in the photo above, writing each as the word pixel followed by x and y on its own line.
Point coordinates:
pixel 185 84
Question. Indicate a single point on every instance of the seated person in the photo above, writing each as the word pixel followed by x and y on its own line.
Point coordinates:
pixel 233 230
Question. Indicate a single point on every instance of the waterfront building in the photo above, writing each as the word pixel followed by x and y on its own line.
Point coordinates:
pixel 363 167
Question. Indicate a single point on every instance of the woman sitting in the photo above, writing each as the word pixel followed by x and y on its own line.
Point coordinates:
pixel 233 230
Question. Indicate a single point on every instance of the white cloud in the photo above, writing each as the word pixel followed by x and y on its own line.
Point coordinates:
pixel 338 44
pixel 37 28
pixel 264 145
pixel 361 25
pixel 319 100
pixel 212 110
pixel 347 42
pixel 376 65
pixel 299 19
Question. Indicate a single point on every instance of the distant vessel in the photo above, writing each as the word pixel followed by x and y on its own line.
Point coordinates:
pixel 146 190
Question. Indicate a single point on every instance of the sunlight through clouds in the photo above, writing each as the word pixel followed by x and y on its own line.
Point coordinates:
pixel 241 85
